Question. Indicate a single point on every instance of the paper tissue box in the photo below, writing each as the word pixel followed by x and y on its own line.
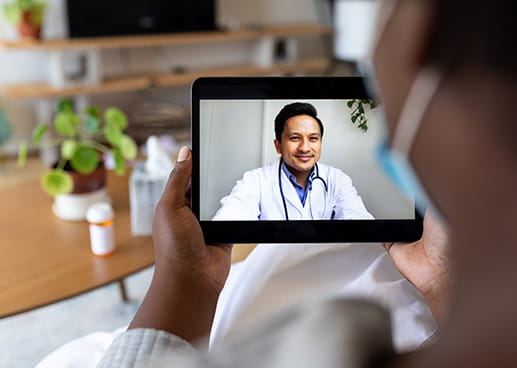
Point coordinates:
pixel 144 192
pixel 146 186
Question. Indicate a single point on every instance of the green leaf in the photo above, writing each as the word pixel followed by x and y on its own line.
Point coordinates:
pixel 85 160
pixel 38 132
pixel 65 105
pixel 37 13
pixel 116 116
pixel 128 148
pixel 12 13
pixel 26 4
pixel 113 133
pixel 56 182
pixel 92 124
pixel 92 111
pixel 68 148
pixel 120 166
pixel 358 115
pixel 22 154
pixel 66 123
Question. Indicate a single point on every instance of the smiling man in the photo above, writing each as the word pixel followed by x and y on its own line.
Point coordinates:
pixel 297 187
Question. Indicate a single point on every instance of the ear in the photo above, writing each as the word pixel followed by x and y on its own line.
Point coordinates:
pixel 277 146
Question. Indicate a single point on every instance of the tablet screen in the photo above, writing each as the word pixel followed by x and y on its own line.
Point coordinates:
pixel 293 160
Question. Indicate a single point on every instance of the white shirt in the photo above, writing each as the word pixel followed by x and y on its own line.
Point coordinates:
pixel 257 196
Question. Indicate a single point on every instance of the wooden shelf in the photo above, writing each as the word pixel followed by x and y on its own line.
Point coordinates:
pixel 42 90
pixel 58 48
pixel 304 66
pixel 121 84
pixel 294 30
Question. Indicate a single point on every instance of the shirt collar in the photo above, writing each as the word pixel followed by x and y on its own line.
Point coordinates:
pixel 292 178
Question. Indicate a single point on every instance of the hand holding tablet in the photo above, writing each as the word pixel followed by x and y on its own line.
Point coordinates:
pixel 282 160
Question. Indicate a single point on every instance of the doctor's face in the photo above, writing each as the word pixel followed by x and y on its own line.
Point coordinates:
pixel 300 146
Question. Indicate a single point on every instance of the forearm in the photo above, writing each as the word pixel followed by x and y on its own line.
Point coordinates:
pixel 177 303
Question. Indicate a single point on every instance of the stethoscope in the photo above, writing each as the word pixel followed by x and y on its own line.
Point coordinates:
pixel 317 177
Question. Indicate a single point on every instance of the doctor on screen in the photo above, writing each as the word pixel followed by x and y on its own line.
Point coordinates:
pixel 297 187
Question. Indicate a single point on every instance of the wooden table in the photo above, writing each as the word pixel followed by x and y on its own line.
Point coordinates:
pixel 44 259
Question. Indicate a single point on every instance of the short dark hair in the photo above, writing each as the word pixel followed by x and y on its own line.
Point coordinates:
pixel 291 110
pixel 475 36
pixel 473 33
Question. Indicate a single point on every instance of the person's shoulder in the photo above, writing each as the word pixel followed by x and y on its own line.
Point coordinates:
pixel 330 170
pixel 263 170
pixel 266 171
pixel 334 175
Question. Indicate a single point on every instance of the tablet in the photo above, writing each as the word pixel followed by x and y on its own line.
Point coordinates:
pixel 293 160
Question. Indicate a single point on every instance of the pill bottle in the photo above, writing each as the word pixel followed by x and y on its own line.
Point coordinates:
pixel 100 217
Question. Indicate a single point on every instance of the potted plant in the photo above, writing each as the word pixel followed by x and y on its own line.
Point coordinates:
pixel 27 16
pixel 358 109
pixel 77 180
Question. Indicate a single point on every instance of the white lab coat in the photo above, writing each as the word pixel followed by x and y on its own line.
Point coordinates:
pixel 257 197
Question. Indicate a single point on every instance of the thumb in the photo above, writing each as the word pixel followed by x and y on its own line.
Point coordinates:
pixel 179 179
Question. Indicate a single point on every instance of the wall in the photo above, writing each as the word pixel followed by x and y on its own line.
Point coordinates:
pixel 237 136
pixel 31 66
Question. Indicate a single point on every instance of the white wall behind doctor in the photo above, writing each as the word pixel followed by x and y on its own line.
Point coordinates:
pixel 237 136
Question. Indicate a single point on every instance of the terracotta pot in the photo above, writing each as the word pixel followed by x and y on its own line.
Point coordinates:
pixel 27 28
pixel 90 182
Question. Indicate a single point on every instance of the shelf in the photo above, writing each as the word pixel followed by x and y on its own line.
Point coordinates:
pixel 304 66
pixel 42 90
pixel 295 30
pixel 265 49
pixel 122 84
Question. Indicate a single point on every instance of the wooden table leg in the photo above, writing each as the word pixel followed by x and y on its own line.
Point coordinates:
pixel 123 291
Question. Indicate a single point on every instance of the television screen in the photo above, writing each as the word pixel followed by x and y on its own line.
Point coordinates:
pixel 97 18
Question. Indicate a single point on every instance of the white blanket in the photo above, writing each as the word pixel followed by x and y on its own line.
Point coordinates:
pixel 274 277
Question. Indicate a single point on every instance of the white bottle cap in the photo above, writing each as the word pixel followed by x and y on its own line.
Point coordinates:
pixel 99 213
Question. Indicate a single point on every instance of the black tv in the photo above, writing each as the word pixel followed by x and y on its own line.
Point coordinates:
pixel 98 18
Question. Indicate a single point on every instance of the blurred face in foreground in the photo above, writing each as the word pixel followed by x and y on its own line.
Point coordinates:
pixel 451 114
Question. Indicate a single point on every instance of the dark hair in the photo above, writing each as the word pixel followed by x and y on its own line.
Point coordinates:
pixel 474 34
pixel 294 109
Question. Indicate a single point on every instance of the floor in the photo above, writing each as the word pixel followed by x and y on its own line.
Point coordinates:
pixel 27 338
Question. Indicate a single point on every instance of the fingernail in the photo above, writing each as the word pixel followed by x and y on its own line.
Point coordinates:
pixel 184 154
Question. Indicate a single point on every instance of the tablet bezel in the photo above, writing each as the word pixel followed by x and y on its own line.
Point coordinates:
pixel 305 231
